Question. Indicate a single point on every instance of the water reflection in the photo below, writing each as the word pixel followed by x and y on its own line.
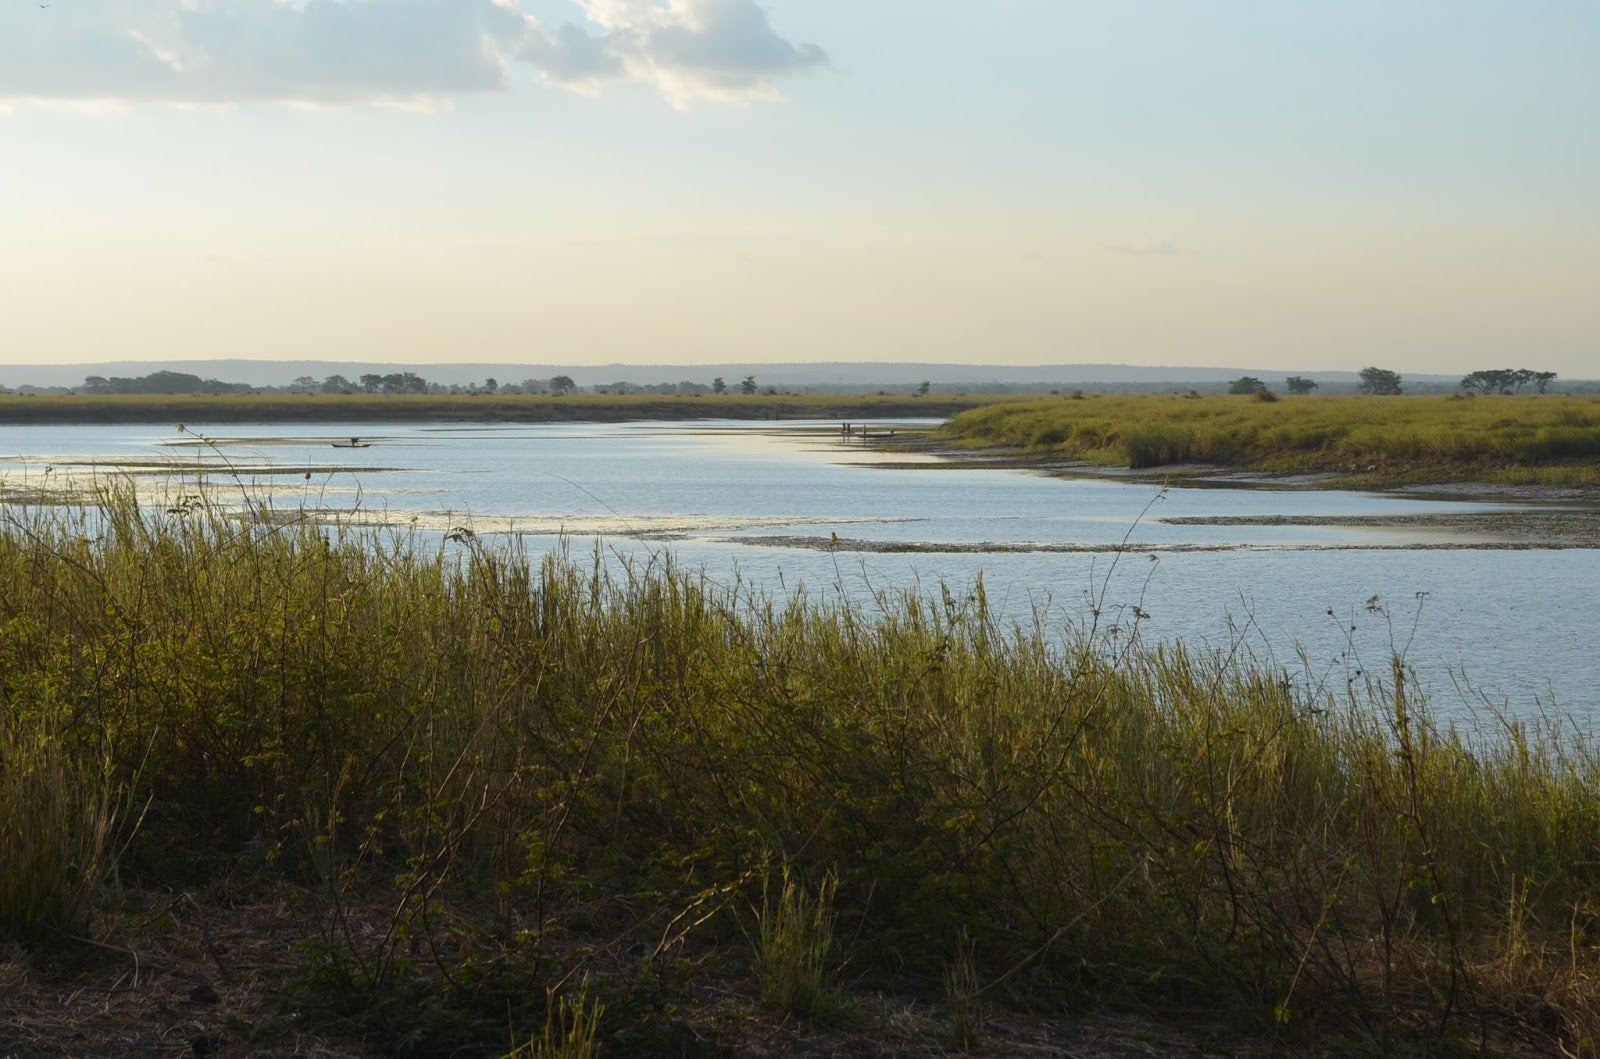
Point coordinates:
pixel 1284 576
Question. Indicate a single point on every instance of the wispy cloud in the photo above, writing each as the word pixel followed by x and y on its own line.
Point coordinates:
pixel 366 51
pixel 1142 247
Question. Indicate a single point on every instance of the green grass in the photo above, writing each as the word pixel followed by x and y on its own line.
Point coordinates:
pixel 529 408
pixel 58 824
pixel 490 769
pixel 1550 440
pixel 795 954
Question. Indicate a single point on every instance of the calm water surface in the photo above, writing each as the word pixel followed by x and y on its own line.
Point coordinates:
pixel 1515 628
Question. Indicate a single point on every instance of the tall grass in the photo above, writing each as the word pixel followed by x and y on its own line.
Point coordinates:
pixel 795 954
pixel 58 823
pixel 1400 438
pixel 502 746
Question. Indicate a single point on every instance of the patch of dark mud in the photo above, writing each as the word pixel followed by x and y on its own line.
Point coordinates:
pixel 854 545
pixel 1539 528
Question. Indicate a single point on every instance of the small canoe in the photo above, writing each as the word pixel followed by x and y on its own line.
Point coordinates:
pixel 353 443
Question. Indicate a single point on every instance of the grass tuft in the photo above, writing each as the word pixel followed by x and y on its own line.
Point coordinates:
pixel 796 952
pixel 58 817
pixel 963 998
pixel 571 1029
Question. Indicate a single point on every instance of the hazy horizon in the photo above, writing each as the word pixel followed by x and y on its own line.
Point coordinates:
pixel 812 375
pixel 1030 182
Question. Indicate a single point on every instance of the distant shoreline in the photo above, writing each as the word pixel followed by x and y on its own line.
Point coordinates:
pixel 477 408
pixel 1557 516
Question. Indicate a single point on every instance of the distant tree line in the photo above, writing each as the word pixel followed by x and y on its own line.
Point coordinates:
pixel 1249 384
pixel 391 384
pixel 1371 380
pixel 1507 380
pixel 161 382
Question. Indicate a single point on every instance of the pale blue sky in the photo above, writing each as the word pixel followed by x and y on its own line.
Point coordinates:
pixel 1277 184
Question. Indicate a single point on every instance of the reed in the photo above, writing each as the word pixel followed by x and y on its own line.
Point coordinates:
pixel 495 746
pixel 1391 439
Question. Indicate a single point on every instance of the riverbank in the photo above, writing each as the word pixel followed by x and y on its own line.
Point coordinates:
pixel 1557 515
pixel 1390 443
pixel 472 799
pixel 475 408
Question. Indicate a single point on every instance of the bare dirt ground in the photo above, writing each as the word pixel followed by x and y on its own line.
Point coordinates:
pixel 210 981
pixel 192 981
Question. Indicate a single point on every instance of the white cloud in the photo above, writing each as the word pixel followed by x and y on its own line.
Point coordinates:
pixel 360 51
pixel 692 49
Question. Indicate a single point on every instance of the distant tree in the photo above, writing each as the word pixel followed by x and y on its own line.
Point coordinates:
pixel 1246 384
pixel 1379 382
pixel 371 383
pixel 1299 384
pixel 336 384
pixel 163 382
pixel 747 385
pixel 402 382
pixel 1490 380
pixel 718 386
pixel 922 390
pixel 305 384
pixel 490 384
pixel 1507 380
pixel 562 384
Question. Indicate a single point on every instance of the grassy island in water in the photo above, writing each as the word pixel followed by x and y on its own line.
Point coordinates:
pixel 1362 440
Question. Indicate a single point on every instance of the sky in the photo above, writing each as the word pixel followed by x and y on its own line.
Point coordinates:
pixel 1275 183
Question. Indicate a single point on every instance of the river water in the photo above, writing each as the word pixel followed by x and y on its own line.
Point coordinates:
pixel 794 506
